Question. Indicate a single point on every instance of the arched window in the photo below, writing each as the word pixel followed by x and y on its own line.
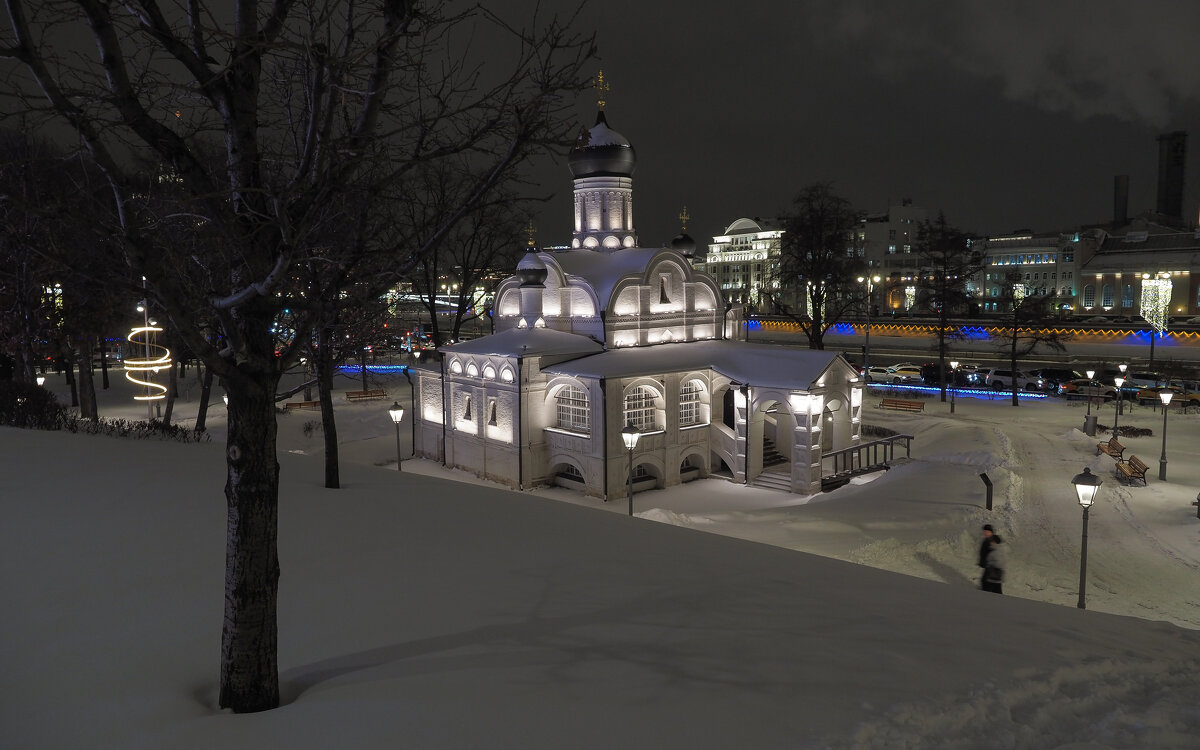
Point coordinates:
pixel 1127 295
pixel 690 394
pixel 506 375
pixel 472 370
pixel 1106 298
pixel 1089 295
pixel 573 413
pixel 456 367
pixel 639 408
pixel 489 372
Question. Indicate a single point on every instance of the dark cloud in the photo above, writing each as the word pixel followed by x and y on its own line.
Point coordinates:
pixel 1006 115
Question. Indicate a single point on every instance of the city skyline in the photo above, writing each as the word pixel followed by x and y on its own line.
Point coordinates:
pixel 1006 118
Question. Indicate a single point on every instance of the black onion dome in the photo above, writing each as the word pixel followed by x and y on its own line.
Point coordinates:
pixel 602 152
pixel 684 243
pixel 531 270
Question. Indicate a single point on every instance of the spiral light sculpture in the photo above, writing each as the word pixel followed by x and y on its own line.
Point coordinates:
pixel 139 369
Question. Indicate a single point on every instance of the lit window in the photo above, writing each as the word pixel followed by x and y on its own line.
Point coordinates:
pixel 1107 298
pixel 639 408
pixel 689 403
pixel 1089 296
pixel 573 413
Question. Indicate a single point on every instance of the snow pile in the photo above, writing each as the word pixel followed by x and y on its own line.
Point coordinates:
pixel 421 612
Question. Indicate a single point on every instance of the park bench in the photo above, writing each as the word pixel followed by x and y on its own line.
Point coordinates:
pixel 1132 469
pixel 293 405
pixel 1112 448
pixel 365 395
pixel 901 404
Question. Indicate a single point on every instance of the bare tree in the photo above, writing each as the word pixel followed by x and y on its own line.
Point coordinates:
pixel 947 264
pixel 819 262
pixel 450 283
pixel 302 102
pixel 1029 325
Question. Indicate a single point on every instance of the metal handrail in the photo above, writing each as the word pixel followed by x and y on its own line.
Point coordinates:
pixel 851 460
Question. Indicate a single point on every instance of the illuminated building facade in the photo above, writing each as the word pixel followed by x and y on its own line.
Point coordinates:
pixel 1098 274
pixel 1045 265
pixel 605 334
pixel 888 242
pixel 744 260
pixel 1118 267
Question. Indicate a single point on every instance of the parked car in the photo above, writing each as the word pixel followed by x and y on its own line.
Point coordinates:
pixel 1000 380
pixel 906 374
pixel 1053 377
pixel 1084 388
pixel 931 375
pixel 1180 398
pixel 877 375
pixel 1143 380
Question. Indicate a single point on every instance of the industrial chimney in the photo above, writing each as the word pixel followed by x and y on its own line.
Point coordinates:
pixel 1172 160
pixel 1120 201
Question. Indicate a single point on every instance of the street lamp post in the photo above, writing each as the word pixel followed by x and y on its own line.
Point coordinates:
pixel 1117 410
pixel 630 435
pixel 1165 395
pixel 1087 485
pixel 1091 375
pixel 1121 393
pixel 397 414
pixel 870 281
pixel 953 383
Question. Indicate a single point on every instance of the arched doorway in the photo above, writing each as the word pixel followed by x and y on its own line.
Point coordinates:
pixel 728 413
pixel 830 425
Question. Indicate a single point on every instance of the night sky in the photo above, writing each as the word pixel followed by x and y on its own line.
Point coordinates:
pixel 1004 115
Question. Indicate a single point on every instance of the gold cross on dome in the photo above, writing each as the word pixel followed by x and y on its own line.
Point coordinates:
pixel 529 230
pixel 683 217
pixel 602 88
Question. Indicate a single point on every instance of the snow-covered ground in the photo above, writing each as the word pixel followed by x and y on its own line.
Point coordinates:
pixel 426 613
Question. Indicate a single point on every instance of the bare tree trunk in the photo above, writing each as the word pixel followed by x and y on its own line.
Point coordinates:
pixel 102 347
pixel 87 386
pixel 249 637
pixel 172 392
pixel 325 391
pixel 205 391
pixel 69 366
pixel 1016 401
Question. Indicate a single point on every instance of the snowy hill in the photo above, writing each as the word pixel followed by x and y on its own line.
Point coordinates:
pixel 420 612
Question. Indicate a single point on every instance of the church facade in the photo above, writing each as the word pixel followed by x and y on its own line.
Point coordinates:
pixel 606 335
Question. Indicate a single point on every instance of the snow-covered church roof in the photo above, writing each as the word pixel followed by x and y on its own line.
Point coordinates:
pixel 602 269
pixel 761 365
pixel 527 341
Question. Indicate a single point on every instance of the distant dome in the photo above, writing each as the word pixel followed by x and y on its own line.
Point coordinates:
pixel 531 270
pixel 602 152
pixel 684 243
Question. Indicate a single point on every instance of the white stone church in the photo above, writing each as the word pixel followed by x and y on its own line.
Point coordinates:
pixel 608 334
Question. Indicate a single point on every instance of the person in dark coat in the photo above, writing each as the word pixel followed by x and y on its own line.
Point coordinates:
pixel 995 564
pixel 984 545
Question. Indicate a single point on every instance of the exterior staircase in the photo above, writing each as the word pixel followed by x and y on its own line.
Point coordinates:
pixel 775 480
pixel 772 457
